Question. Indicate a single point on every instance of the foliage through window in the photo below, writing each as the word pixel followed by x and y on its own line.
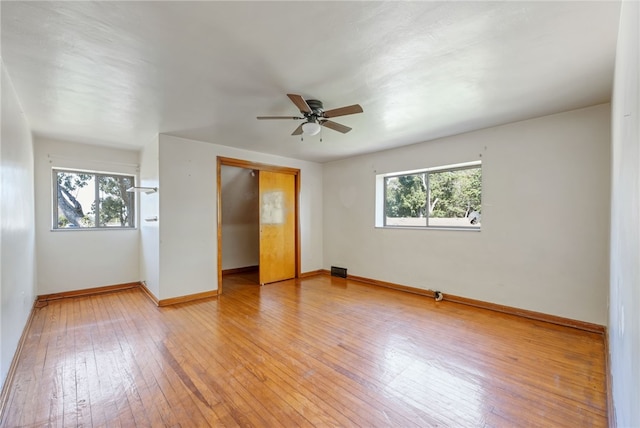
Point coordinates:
pixel 445 197
pixel 88 200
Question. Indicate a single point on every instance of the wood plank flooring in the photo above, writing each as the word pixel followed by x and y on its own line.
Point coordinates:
pixel 320 351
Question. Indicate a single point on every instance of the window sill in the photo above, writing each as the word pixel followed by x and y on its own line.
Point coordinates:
pixel 450 228
pixel 92 229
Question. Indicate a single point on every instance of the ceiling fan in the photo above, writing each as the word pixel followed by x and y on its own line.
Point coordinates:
pixel 315 117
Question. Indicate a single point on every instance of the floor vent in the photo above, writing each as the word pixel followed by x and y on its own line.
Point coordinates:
pixel 338 271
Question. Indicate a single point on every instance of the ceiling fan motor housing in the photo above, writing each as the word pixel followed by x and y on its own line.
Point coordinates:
pixel 316 109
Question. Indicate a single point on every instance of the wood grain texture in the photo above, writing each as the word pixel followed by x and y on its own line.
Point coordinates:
pixel 240 163
pixel 313 273
pixel 277 226
pixel 187 298
pixel 245 269
pixel 609 382
pixel 320 351
pixel 219 162
pixel 554 319
pixel 87 291
pixel 4 393
pixel 150 295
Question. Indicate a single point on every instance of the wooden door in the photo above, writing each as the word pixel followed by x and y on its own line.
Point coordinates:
pixel 277 226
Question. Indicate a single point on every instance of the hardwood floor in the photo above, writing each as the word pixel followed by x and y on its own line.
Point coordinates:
pixel 320 351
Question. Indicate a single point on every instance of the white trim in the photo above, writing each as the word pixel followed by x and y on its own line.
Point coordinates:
pixel 380 220
pixel 432 169
pixel 53 157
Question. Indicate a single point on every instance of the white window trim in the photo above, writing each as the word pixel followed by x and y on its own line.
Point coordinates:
pixel 379 222
pixel 54 200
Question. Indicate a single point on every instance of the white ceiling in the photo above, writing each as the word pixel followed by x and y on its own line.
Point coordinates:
pixel 119 73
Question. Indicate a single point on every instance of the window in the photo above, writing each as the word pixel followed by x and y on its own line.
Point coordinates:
pixel 444 197
pixel 90 200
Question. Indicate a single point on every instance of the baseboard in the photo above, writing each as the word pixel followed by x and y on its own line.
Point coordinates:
pixel 385 284
pixel 176 300
pixel 187 298
pixel 248 269
pixel 150 295
pixel 611 411
pixel 8 382
pixel 312 273
pixel 240 270
pixel 523 313
pixel 86 292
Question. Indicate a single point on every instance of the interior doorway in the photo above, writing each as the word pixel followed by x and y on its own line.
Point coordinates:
pixel 270 226
pixel 240 221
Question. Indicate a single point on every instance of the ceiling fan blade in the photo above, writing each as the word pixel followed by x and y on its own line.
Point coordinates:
pixel 300 103
pixel 278 117
pixel 335 126
pixel 343 111
pixel 298 130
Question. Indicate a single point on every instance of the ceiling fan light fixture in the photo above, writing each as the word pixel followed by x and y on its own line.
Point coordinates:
pixel 315 117
pixel 311 128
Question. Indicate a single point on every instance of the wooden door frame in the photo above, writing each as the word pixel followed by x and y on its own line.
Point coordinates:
pixel 239 163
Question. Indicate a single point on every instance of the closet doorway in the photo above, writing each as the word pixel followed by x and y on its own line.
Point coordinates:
pixel 274 217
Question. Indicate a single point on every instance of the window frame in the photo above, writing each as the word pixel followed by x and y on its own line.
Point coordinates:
pixel 97 175
pixel 382 189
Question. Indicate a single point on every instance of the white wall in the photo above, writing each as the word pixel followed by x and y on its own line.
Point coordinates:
pixel 544 239
pixel 149 208
pixel 188 217
pixel 17 236
pixel 240 218
pixel 79 259
pixel 624 305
